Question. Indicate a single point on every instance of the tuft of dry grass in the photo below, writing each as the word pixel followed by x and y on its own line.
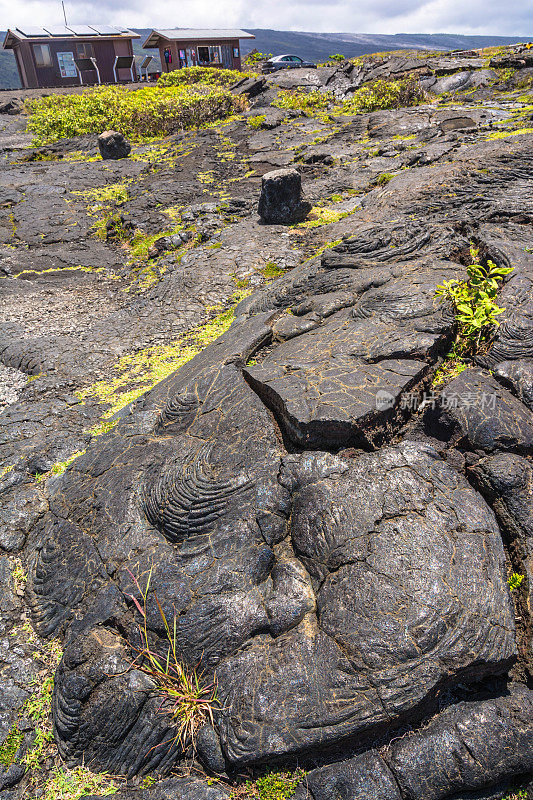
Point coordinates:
pixel 185 697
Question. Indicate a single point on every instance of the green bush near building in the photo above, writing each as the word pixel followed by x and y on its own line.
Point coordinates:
pixel 141 114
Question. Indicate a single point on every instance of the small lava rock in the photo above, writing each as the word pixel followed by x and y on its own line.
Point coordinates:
pixel 281 198
pixel 113 145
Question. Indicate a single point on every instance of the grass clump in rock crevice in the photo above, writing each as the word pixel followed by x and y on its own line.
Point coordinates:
pixel 271 271
pixel 256 122
pixel 103 204
pixel 186 697
pixel 59 467
pixel 11 746
pixel 149 113
pixel 383 179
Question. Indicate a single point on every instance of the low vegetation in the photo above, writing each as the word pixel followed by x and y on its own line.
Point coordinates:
pixel 210 76
pixel 476 311
pixel 256 122
pixel 384 179
pixel 515 581
pixel 189 700
pixel 380 94
pixel 151 112
pixel 72 784
pixel 19 576
pixel 137 373
pixel 383 94
pixel 11 746
pixel 254 58
pixel 307 102
pixel 272 786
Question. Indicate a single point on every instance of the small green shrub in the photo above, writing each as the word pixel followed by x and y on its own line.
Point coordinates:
pixel 384 94
pixel 474 302
pixel 255 58
pixel 272 786
pixel 308 102
pixel 151 112
pixel 271 271
pixel 338 57
pixel 515 581
pixel 208 76
pixel 384 179
pixel 256 122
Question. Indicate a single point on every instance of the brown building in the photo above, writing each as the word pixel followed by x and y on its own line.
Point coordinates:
pixel 189 47
pixel 62 56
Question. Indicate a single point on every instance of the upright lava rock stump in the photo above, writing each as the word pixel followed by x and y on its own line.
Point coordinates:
pixel 281 198
pixel 113 145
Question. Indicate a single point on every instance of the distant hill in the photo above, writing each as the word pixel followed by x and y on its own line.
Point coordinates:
pixel 312 46
pixel 318 46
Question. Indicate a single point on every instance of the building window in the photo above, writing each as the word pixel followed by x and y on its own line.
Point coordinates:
pixel 214 55
pixel 203 55
pixel 209 55
pixel 43 57
pixel 85 50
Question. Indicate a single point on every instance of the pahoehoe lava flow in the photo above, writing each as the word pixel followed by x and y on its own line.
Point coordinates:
pixel 251 420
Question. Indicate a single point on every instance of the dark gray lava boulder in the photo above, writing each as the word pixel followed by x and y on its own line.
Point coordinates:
pixel 12 106
pixel 466 748
pixel 113 145
pixel 249 86
pixel 518 376
pixel 281 198
pixel 182 787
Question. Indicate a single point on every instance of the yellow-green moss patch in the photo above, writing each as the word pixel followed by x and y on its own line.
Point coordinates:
pixel 135 374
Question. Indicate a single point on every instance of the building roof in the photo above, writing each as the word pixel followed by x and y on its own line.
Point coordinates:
pixel 195 35
pixel 70 32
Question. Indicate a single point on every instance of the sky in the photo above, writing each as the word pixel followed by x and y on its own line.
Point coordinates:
pixel 510 18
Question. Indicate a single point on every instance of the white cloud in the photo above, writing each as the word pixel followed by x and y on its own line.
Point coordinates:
pixel 379 16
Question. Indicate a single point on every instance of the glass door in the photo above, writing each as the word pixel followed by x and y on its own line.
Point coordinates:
pixel 227 62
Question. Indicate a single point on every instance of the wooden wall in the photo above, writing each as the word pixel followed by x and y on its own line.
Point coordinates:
pixel 105 51
pixel 175 46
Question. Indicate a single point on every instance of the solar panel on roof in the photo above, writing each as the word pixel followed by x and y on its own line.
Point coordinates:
pixel 82 30
pixel 58 31
pixel 30 32
pixel 105 30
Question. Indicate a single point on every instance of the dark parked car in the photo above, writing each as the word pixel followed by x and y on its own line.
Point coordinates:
pixel 286 62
